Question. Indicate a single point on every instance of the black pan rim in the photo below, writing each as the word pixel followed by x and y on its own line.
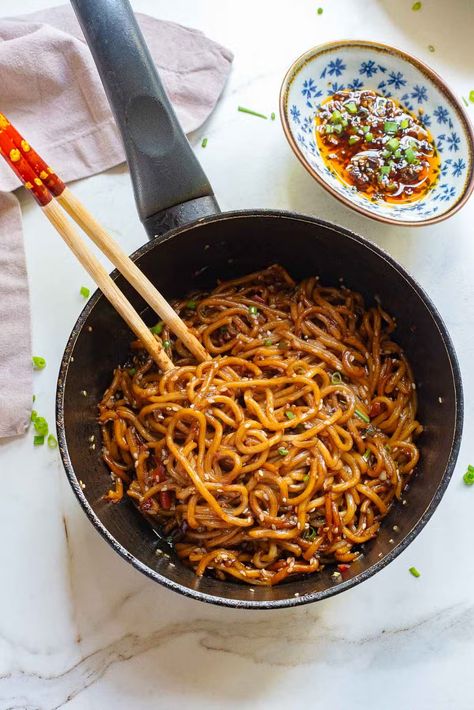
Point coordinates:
pixel 313 596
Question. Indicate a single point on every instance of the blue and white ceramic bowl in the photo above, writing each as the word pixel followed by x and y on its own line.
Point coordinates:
pixel 322 71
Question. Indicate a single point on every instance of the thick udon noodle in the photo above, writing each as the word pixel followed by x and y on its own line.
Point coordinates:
pixel 285 451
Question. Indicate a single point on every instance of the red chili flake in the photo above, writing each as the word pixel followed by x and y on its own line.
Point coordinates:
pixel 376 409
pixel 159 473
pixel 165 499
pixel 343 567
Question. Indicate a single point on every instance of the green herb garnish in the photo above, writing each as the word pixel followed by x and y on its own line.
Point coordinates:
pixel 410 156
pixel 366 456
pixel 204 143
pixel 471 96
pixel 336 116
pixel 362 416
pixel 468 477
pixel 34 415
pixel 85 291
pixel 158 328
pixel 132 371
pixel 351 107
pixel 52 442
pixel 405 123
pixel 369 137
pixel 41 426
pixel 416 6
pixel 431 48
pixel 166 344
pixel 242 109
pixel 310 534
pixel 336 378
pixel 282 451
pixel 353 140
pixel 393 144
pixel 289 415
pixel 390 127
pixel 267 342
pixel 253 310
pixel 272 115
pixel 413 570
pixel 320 10
pixel 192 305
pixel 39 363
pixel 38 440
pixel 385 170
pixel 465 101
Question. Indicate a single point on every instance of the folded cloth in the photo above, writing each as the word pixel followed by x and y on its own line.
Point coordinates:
pixel 51 91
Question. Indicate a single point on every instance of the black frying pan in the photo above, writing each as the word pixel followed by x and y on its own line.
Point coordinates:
pixel 203 245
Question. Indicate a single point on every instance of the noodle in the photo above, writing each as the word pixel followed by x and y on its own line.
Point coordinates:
pixel 281 454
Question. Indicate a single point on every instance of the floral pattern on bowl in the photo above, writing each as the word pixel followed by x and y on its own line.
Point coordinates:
pixel 355 65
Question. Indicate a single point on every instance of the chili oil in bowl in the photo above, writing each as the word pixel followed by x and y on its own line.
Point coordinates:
pixel 380 131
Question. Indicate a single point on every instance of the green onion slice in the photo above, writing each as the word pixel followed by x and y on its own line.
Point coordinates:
pixel 41 426
pixel 52 442
pixel 34 415
pixel 393 144
pixel 351 107
pixel 336 378
pixel 204 143
pixel 192 305
pixel 414 572
pixel 158 328
pixel 242 109
pixel 471 96
pixel 39 363
pixel 390 127
pixel 272 115
pixel 362 416
pixel 289 415
pixel 267 342
pixel 336 116
pixel 166 344
pixel 405 123
pixel 253 310
pixel 310 533
pixel 369 137
pixel 353 140
pixel 85 291
pixel 38 440
pixel 366 456
pixel 410 156
pixel 468 477
pixel 282 451
pixel 132 371
pixel 416 6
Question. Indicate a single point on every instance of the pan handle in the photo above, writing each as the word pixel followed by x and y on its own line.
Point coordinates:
pixel 170 186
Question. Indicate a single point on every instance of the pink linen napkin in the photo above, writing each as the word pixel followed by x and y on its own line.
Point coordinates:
pixel 51 91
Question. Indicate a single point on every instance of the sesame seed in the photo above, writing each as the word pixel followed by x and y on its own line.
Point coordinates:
pixel 296 594
pixel 92 437
pixel 84 393
pixel 71 359
pixel 391 541
pixel 89 328
pixel 395 528
pixel 440 400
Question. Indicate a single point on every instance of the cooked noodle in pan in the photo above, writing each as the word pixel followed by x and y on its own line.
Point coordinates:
pixel 286 450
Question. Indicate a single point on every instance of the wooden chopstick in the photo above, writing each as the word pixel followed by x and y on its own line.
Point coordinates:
pixel 52 210
pixel 100 237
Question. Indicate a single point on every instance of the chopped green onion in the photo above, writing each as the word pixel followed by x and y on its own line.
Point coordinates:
pixel 468 477
pixel 351 107
pixel 385 170
pixel 365 129
pixel 192 305
pixel 465 101
pixel 85 291
pixel 390 127
pixel 366 456
pixel 52 442
pixel 369 137
pixel 272 115
pixel 282 451
pixel 397 154
pixel 431 48
pixel 328 129
pixel 166 344
pixel 267 342
pixel 416 6
pixel 353 140
pixel 306 478
pixel 410 156
pixel 289 415
pixel 393 144
pixel 338 128
pixel 158 328
pixel 336 378
pixel 38 440
pixel 253 310
pixel 34 415
pixel 39 363
pixel 242 109
pixel 471 96
pixel 386 154
pixel 362 416
pixel 336 116
pixel 310 533
pixel 41 426
pixel 405 123
pixel 34 398
pixel 320 10
pixel 204 143
pixel 413 570
pixel 132 371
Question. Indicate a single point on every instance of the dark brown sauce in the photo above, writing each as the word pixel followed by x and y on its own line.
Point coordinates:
pixel 377 146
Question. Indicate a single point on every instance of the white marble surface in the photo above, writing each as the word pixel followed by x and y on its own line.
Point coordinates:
pixel 81 629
